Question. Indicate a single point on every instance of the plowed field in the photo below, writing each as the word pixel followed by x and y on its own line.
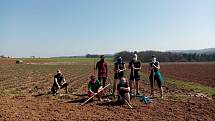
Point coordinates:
pixel 24 90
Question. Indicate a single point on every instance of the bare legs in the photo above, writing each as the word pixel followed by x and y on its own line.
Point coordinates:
pixel 100 94
pixel 134 86
pixel 114 86
pixel 161 92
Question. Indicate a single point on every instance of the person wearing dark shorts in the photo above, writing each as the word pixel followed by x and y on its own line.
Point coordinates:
pixel 94 86
pixel 119 68
pixel 59 83
pixel 135 66
pixel 102 68
pixel 123 89
pixel 155 75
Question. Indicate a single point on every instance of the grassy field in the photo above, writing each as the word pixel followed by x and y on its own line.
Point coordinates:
pixel 183 84
pixel 78 59
pixel 186 85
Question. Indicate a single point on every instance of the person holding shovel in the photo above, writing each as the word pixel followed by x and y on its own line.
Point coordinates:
pixel 59 83
pixel 94 86
pixel 119 68
pixel 135 66
pixel 155 75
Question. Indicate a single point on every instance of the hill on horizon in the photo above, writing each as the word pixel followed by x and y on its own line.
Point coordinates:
pixel 199 51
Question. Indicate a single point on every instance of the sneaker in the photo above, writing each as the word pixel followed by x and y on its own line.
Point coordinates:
pixel 137 94
pixel 107 100
pixel 152 95
pixel 113 95
pixel 132 95
pixel 101 100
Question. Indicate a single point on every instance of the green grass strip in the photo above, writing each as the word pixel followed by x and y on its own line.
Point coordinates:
pixel 194 87
pixel 188 85
pixel 78 59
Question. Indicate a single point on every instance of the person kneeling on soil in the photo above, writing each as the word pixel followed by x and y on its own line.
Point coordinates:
pixel 95 87
pixel 59 83
pixel 123 91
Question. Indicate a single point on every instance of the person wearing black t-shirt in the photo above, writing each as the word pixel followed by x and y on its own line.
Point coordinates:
pixel 119 68
pixel 59 83
pixel 135 66
pixel 123 90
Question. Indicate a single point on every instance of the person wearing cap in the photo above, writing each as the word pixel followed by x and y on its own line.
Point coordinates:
pixel 119 68
pixel 155 75
pixel 135 66
pixel 102 68
pixel 59 83
pixel 123 89
pixel 94 87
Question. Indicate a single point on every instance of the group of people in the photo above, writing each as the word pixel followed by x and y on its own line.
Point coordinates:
pixel 122 87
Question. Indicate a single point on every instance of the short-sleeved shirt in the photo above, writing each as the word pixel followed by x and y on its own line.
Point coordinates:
pixel 60 78
pixel 156 64
pixel 102 69
pixel 119 65
pixel 122 84
pixel 136 64
pixel 94 86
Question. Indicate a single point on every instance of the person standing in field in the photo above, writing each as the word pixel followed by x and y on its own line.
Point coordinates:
pixel 135 66
pixel 155 75
pixel 119 68
pixel 94 87
pixel 102 68
pixel 59 83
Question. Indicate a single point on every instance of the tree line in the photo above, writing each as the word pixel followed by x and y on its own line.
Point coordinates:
pixel 145 56
pixel 98 56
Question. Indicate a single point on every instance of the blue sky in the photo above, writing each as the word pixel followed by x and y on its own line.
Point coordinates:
pixel 76 27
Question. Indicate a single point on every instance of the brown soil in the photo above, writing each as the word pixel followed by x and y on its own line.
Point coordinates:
pixel 25 97
pixel 200 73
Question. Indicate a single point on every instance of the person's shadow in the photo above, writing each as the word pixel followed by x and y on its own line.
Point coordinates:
pixel 42 94
pixel 80 98
pixel 111 103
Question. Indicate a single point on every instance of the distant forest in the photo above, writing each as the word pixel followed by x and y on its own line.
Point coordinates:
pixel 145 56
